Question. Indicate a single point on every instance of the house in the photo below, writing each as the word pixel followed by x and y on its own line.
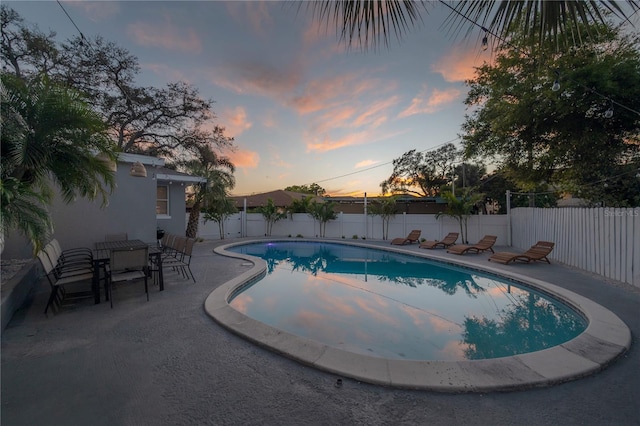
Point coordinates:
pixel 147 196
pixel 281 199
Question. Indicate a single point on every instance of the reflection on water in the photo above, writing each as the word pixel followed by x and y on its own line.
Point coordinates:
pixel 398 306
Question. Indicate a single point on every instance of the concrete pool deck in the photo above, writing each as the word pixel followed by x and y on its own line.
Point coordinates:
pixel 166 362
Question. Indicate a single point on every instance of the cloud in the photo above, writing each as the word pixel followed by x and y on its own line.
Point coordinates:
pixel 328 92
pixel 269 120
pixel 97 10
pixel 279 162
pixel 244 159
pixel 166 71
pixel 458 64
pixel 255 78
pixel 366 163
pixel 325 143
pixel 429 102
pixel 256 14
pixel 165 35
pixel 235 121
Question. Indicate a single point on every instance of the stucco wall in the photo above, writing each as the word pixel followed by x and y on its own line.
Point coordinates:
pixel 174 223
pixel 131 209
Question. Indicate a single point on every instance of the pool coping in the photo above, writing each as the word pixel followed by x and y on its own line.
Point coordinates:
pixel 605 339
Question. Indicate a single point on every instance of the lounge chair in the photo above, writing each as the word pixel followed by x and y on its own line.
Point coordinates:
pixel 486 243
pixel 538 251
pixel 413 237
pixel 447 241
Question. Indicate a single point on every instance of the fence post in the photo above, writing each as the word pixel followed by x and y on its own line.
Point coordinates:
pixel 508 217
pixel 365 216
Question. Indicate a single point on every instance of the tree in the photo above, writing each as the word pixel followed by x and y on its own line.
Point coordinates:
pixel 323 213
pixel 271 215
pixel 313 189
pixel 386 209
pixel 421 173
pixel 218 211
pixel 461 207
pixel 375 22
pixel 49 137
pixel 25 47
pixel 144 120
pixel 468 174
pixel 566 137
pixel 216 169
pixel 302 205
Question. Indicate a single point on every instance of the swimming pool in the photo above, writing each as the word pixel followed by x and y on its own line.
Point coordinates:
pixel 605 338
pixel 397 306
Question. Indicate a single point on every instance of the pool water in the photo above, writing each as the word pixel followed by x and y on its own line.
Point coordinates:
pixel 397 306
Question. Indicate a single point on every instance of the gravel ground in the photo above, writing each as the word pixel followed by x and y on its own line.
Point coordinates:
pixel 165 362
pixel 10 267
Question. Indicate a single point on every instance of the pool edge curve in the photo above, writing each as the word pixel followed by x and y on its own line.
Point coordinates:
pixel 606 338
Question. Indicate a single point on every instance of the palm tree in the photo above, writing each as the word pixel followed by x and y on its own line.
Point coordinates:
pixel 386 209
pixel 323 213
pixel 375 22
pixel 461 207
pixel 49 137
pixel 271 215
pixel 303 205
pixel 218 170
pixel 218 210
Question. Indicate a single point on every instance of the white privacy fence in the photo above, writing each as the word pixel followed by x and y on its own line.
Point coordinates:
pixel 601 240
pixel 605 241
pixel 356 225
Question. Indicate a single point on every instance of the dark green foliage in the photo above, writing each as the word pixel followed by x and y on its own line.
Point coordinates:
pixel 561 138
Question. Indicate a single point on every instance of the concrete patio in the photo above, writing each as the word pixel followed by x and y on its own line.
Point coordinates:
pixel 166 362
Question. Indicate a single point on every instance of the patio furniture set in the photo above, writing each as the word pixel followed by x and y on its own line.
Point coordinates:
pixel 117 259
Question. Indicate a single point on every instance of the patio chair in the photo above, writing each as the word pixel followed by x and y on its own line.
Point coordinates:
pixel 447 241
pixel 128 265
pixel 486 243
pixel 58 278
pixel 539 251
pixel 122 236
pixel 182 262
pixel 413 237
pixel 175 249
pixel 72 253
pixel 79 259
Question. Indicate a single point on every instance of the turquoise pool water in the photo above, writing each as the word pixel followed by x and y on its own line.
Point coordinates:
pixel 397 306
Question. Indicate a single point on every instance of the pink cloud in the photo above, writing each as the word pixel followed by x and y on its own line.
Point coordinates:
pixel 366 163
pixel 459 64
pixel 328 92
pixel 325 143
pixel 427 103
pixel 165 35
pixel 243 158
pixel 235 121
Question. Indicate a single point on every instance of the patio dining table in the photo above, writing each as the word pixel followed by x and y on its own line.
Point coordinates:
pixel 102 255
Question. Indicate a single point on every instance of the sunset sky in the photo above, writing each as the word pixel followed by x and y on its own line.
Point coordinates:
pixel 301 106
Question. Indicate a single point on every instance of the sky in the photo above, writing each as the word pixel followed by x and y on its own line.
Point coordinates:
pixel 302 107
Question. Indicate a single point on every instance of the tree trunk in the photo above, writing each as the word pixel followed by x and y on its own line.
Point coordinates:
pixel 221 228
pixel 194 219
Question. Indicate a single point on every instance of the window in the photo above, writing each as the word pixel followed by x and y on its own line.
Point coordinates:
pixel 162 200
